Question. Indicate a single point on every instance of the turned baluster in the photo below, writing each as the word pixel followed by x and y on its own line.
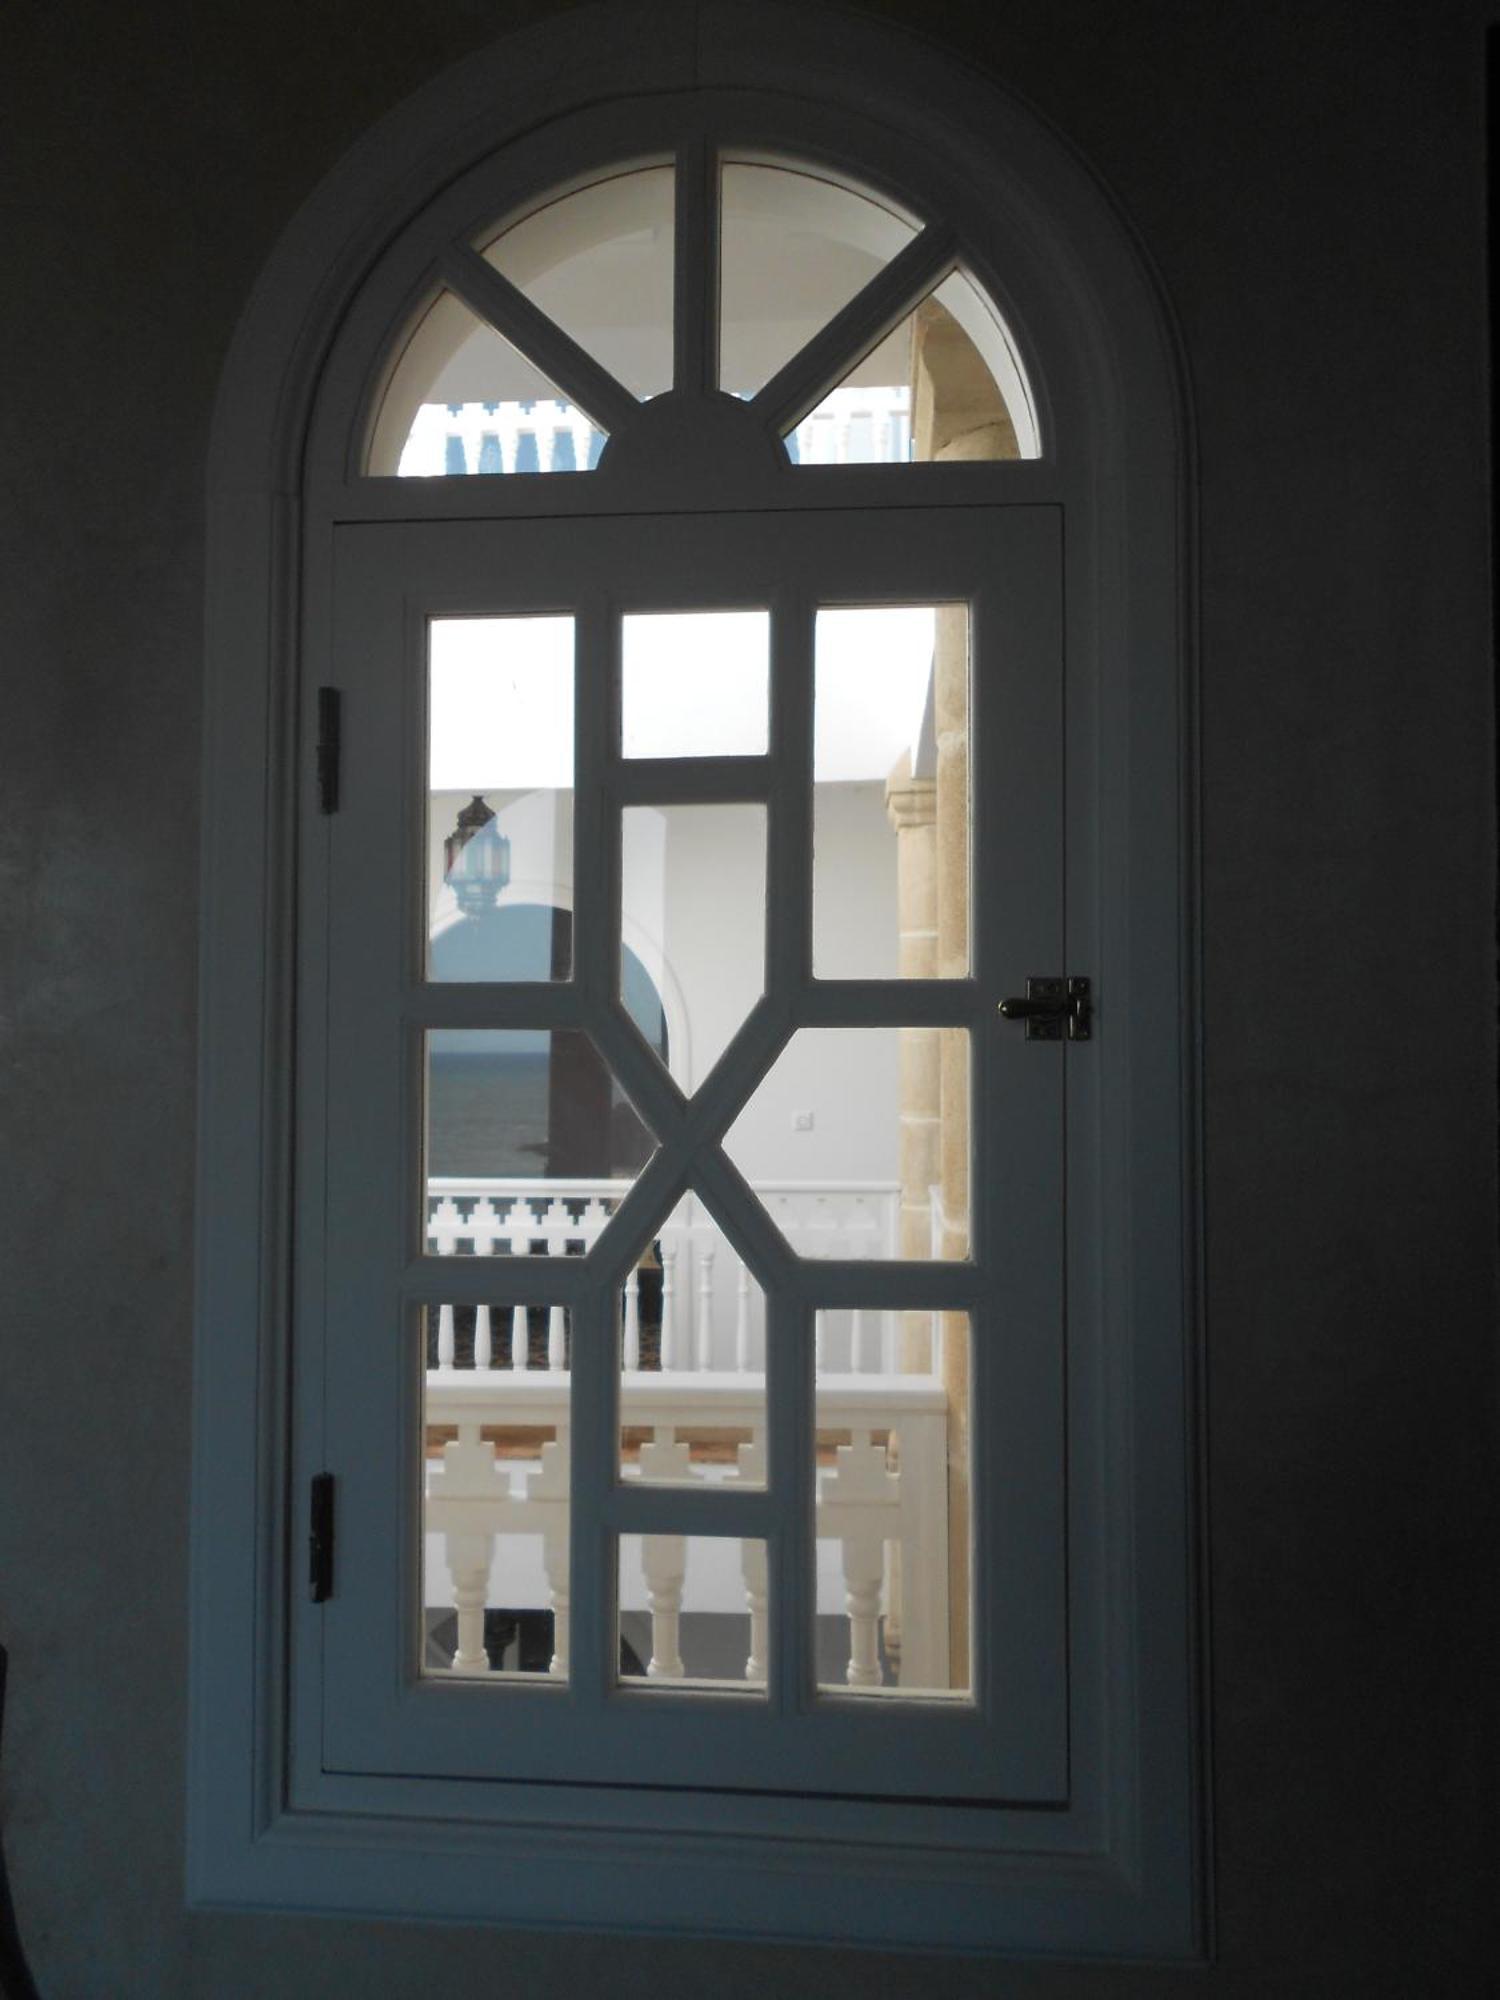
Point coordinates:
pixel 482 1337
pixel 862 1480
pixel 753 1570
pixel 556 1340
pixel 864 1572
pixel 664 1558
pixel 633 1321
pixel 555 1557
pixel 469 1565
pixel 742 1320
pixel 442 1232
pixel 893 1604
pixel 705 1312
pixel 668 1305
pixel 550 1482
pixel 519 1359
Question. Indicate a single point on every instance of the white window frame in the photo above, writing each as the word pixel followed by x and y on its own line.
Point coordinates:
pixel 1119 1868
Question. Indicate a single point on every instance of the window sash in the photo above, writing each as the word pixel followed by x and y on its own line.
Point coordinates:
pixel 360 1706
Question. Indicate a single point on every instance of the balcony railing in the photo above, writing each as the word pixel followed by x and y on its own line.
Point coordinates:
pixel 692 1356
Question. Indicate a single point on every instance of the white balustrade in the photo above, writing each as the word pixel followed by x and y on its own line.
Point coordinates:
pixel 884 1503
pixel 713 1317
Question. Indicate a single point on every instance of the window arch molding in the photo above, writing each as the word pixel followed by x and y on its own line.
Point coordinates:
pixel 506 126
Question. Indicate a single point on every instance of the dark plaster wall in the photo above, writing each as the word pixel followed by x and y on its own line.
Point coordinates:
pixel 1309 180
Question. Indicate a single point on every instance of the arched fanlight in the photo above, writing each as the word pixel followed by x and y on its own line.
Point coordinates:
pixel 482 382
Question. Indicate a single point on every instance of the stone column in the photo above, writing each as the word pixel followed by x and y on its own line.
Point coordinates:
pixel 911 804
pixel 957 413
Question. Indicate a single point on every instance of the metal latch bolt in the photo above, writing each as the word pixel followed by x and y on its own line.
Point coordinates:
pixel 1048 1004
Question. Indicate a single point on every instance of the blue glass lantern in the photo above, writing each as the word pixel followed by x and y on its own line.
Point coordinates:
pixel 476 859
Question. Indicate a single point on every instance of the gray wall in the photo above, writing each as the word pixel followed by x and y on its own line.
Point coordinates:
pixel 1308 178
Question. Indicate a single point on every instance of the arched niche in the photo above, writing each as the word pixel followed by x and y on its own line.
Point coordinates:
pixel 1115 1866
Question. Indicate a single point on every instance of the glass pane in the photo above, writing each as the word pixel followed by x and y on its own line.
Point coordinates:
pixel 695 683
pixel 795 249
pixel 857 1142
pixel 531 1143
pixel 891 832
pixel 599 262
pixel 692 1359
pixel 693 1610
pixel 500 798
pixel 495 1509
pixel 462 399
pixel 693 922
pixel 893 1508
pixel 946 383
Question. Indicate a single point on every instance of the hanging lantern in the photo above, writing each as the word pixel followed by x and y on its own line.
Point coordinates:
pixel 476 859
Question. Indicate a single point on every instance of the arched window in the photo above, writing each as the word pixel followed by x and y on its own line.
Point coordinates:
pixel 734 1299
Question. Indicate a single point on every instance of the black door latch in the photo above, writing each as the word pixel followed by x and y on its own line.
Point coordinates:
pixel 1048 1005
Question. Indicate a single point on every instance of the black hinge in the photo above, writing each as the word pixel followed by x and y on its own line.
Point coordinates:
pixel 320 1539
pixel 328 750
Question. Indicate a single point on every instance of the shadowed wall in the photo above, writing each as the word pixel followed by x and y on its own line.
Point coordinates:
pixel 1309 181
